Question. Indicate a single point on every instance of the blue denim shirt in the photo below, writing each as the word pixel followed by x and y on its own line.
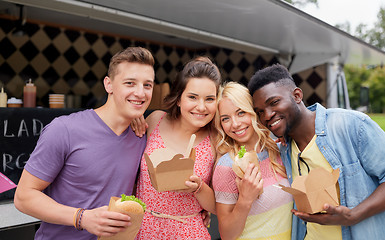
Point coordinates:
pixel 352 142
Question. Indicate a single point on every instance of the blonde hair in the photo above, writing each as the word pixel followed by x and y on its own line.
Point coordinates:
pixel 241 98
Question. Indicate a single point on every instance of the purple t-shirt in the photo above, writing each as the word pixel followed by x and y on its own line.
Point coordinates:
pixel 86 163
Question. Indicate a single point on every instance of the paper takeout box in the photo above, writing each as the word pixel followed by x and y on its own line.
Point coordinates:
pixel 132 230
pixel 311 192
pixel 169 172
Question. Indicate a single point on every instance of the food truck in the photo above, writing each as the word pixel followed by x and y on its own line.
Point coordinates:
pixel 64 46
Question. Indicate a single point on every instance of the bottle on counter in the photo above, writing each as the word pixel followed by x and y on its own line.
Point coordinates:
pixel 3 98
pixel 29 94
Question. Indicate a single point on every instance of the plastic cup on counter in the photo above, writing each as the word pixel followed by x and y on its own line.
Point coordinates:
pixel 56 100
pixel 14 102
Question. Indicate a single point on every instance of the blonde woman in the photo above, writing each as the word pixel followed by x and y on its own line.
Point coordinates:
pixel 248 208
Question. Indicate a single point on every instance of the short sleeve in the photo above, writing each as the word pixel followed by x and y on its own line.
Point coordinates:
pixel 224 184
pixel 48 157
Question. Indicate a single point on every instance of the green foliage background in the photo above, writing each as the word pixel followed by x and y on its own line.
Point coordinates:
pixel 372 77
pixel 379 119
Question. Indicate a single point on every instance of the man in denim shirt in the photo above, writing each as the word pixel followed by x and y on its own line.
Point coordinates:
pixel 328 138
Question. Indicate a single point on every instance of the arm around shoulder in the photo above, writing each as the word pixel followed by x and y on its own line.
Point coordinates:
pixel 153 119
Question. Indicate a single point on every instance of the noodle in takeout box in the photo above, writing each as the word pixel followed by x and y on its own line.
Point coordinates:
pixel 312 191
pixel 169 171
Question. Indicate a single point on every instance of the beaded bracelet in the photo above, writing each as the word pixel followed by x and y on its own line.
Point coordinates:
pixel 76 216
pixel 199 187
pixel 79 220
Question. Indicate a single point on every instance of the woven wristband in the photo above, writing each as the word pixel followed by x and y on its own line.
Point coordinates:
pixel 79 220
pixel 76 216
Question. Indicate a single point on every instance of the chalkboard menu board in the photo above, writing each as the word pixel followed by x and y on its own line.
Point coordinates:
pixel 20 130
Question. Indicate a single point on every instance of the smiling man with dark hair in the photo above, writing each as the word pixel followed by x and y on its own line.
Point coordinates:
pixel 328 138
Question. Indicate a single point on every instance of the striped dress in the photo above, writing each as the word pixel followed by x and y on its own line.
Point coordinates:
pixel 269 216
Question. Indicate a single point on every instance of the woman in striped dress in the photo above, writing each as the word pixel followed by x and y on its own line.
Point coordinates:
pixel 252 207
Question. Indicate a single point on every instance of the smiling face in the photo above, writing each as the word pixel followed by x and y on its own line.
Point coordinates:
pixel 277 108
pixel 130 90
pixel 237 123
pixel 198 102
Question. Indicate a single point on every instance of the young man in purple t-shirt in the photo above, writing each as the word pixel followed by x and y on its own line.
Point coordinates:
pixel 83 159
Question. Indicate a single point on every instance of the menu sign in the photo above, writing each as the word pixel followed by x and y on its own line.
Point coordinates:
pixel 20 129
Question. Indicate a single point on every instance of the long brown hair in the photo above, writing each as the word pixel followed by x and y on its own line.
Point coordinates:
pixel 199 67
